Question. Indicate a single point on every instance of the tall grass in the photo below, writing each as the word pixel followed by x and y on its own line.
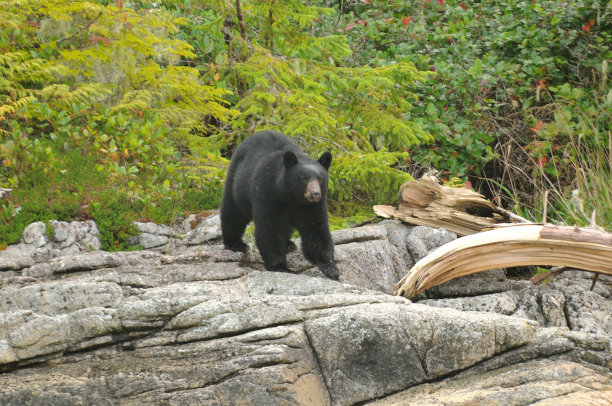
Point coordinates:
pixel 579 181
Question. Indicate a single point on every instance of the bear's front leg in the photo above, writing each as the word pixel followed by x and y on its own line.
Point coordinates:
pixel 233 224
pixel 272 244
pixel 318 248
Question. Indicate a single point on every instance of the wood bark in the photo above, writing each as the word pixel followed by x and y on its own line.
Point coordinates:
pixel 462 211
pixel 518 245
pixel 240 21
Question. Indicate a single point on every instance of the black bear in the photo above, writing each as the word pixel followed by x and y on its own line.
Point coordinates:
pixel 271 182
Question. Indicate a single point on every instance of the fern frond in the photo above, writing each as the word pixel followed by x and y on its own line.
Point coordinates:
pixel 10 107
pixel 64 96
pixel 367 176
pixel 136 100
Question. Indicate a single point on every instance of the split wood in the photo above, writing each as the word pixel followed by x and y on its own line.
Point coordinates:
pixel 508 246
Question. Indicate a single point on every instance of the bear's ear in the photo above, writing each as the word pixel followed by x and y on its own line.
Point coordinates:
pixel 325 159
pixel 290 159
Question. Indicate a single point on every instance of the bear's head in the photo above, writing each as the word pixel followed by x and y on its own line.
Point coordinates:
pixel 307 178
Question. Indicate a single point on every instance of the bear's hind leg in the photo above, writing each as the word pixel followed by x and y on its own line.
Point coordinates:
pixel 272 246
pixel 290 244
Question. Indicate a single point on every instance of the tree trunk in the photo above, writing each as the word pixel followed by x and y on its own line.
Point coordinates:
pixel 240 21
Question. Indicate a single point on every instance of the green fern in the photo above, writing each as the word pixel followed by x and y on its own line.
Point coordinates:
pixel 368 178
pixel 105 54
pixel 136 100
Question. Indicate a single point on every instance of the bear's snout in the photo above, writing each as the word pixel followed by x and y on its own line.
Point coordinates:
pixel 313 191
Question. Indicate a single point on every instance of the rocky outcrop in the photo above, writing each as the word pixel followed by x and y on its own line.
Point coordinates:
pixel 192 231
pixel 200 325
pixel 40 243
pixel 564 301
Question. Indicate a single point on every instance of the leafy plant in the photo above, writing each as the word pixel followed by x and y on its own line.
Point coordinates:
pixel 131 110
pixel 99 90
pixel 288 79
pixel 500 69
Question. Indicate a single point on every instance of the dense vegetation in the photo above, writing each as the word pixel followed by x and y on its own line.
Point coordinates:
pixel 123 110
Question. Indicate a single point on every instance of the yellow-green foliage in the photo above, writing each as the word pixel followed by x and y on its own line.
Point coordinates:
pixel 357 108
pixel 96 52
pixel 294 81
pixel 367 177
pixel 17 71
pixel 99 111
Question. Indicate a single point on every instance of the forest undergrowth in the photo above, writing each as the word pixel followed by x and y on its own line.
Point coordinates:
pixel 118 110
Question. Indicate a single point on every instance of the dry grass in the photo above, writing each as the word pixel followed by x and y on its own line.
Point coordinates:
pixel 578 182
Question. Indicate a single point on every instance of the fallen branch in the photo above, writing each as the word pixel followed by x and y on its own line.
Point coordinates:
pixel 518 245
pixel 425 202
pixel 553 271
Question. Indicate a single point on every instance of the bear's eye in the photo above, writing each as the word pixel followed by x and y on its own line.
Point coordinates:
pixel 319 178
pixel 304 178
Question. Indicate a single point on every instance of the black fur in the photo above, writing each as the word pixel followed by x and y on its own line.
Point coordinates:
pixel 267 181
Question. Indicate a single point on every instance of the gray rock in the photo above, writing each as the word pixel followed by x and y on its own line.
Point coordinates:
pixel 74 237
pixel 63 235
pixel 358 234
pixel 202 326
pixel 268 366
pixel 73 263
pixel 207 230
pixel 35 235
pixel 166 239
pixel 590 312
pixel 422 240
pixel 481 283
pixel 13 260
pixel 364 352
pixel 187 224
pixel 503 303
pixel 200 332
pixel 148 241
pixel 59 297
pixel 374 264
pixel 36 246
pixel 553 305
pixel 397 233
pixel 537 382
pixel 156 229
pixel 567 302
pixel 152 235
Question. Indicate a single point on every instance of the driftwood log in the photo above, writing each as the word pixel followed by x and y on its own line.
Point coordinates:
pixel 516 245
pixel 425 202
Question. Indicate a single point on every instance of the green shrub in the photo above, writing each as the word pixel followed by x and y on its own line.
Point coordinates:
pixel 114 213
pixel 131 111
pixel 501 67
pixel 99 118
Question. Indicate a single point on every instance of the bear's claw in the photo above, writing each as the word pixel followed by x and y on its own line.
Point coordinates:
pixel 330 270
pixel 237 247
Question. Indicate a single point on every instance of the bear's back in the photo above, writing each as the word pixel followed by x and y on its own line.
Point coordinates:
pixel 261 151
pixel 255 165
pixel 264 142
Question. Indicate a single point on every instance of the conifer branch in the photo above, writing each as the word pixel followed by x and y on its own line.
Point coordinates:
pixel 81 29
